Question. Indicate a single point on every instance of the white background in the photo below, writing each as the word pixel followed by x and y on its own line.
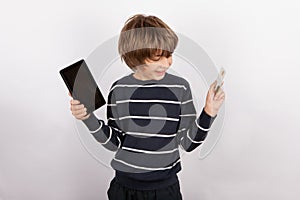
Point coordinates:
pixel 258 155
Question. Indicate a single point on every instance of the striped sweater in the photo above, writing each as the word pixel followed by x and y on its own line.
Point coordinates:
pixel 147 123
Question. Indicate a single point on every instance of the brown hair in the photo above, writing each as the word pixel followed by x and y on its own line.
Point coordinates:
pixel 143 37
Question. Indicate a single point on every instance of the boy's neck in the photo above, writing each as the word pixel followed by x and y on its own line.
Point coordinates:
pixel 139 77
pixel 143 78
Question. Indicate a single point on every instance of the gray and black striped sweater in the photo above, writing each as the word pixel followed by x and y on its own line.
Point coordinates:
pixel 148 121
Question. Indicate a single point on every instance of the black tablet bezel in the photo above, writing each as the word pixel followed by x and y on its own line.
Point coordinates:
pixel 70 82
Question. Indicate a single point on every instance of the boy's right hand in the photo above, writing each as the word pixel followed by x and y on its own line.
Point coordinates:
pixel 78 110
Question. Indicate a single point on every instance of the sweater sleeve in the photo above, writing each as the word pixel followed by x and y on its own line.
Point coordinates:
pixel 110 135
pixel 192 130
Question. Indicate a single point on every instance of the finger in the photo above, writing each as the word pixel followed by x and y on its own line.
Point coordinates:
pixel 213 86
pixel 78 112
pixel 85 117
pixel 74 102
pixel 217 88
pixel 218 92
pixel 220 96
pixel 80 116
pixel 77 107
pixel 212 89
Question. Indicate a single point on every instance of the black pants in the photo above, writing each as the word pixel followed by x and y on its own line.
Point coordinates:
pixel 119 192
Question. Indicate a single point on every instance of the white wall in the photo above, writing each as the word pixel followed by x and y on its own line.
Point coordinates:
pixel 257 157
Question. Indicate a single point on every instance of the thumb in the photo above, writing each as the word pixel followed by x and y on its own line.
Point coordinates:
pixel 213 86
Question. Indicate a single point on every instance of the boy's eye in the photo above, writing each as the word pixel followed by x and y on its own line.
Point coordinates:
pixel 156 57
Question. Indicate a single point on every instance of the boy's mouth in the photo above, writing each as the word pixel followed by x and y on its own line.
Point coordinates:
pixel 160 72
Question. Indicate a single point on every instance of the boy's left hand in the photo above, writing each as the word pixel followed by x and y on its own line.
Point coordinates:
pixel 214 100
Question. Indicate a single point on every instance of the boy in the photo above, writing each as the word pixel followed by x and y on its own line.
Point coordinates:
pixel 150 114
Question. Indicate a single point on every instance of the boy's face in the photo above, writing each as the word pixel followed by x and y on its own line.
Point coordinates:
pixel 153 69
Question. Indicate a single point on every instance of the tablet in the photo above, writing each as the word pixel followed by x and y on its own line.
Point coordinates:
pixel 82 85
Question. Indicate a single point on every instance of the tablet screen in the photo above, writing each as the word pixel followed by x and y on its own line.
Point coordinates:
pixel 82 85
